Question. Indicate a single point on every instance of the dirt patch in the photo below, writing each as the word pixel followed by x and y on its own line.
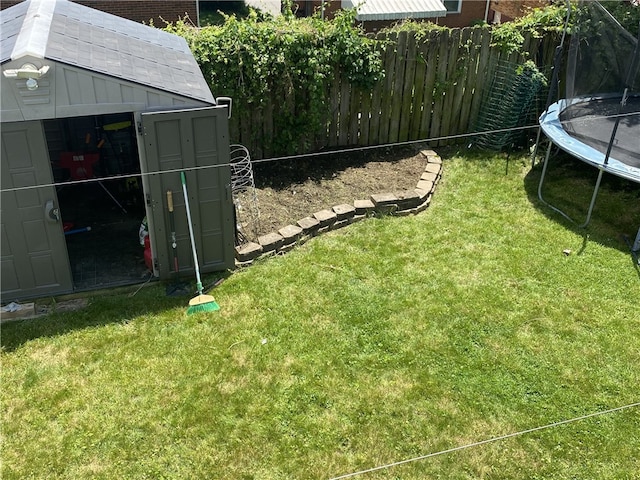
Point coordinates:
pixel 289 190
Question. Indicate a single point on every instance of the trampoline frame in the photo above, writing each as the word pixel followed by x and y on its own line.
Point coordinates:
pixel 552 127
pixel 550 123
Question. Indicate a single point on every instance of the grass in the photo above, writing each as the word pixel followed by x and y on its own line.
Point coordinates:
pixel 384 341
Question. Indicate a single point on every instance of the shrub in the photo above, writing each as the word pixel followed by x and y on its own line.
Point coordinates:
pixel 284 63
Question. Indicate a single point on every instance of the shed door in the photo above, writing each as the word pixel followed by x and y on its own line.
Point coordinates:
pixel 34 253
pixel 196 141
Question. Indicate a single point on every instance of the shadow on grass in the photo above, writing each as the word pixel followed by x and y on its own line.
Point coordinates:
pixel 569 185
pixel 113 306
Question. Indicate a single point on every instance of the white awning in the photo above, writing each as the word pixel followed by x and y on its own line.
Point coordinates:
pixel 395 9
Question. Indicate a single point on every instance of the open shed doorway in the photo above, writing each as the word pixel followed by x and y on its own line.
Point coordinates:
pixel 103 210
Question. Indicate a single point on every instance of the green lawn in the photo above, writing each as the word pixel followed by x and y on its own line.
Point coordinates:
pixel 387 340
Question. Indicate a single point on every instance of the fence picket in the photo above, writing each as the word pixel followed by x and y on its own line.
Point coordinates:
pixel 398 87
pixel 471 75
pixel 429 84
pixel 386 104
pixel 374 113
pixel 406 112
pixel 481 77
pixel 441 79
pixel 343 119
pixel 422 50
pixel 460 78
pixel 365 117
pixel 334 109
pixel 355 107
pixel 451 86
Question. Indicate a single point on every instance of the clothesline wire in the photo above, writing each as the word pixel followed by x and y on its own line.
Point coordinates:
pixel 266 160
pixel 484 442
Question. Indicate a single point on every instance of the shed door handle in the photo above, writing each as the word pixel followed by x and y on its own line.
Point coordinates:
pixel 51 212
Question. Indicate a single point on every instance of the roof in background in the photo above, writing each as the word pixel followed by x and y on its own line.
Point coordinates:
pixel 83 37
pixel 396 9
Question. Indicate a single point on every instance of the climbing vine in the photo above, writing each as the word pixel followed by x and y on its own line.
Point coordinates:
pixel 509 36
pixel 283 63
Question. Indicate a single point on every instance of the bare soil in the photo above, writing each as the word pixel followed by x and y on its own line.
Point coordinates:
pixel 289 190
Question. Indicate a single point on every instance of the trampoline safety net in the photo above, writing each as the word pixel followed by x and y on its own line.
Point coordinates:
pixel 602 91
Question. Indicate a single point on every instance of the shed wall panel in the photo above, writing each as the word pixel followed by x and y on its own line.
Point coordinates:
pixel 10 108
pixel 8 267
pixel 100 87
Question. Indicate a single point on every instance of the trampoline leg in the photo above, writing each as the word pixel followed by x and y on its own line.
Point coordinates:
pixel 636 244
pixel 535 149
pixel 544 173
pixel 542 177
pixel 593 199
pixel 557 210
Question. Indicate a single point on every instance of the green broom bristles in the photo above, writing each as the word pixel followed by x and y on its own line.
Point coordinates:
pixel 202 303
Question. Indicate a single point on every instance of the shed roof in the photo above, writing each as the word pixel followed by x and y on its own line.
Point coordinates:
pixel 396 9
pixel 73 34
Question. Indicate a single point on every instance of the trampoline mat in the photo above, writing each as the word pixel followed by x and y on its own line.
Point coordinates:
pixel 592 122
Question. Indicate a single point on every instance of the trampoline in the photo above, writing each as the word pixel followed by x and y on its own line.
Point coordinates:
pixel 583 128
pixel 598 120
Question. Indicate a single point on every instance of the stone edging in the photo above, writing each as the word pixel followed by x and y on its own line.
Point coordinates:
pixel 405 202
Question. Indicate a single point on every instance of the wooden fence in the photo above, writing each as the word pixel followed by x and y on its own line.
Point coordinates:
pixel 433 87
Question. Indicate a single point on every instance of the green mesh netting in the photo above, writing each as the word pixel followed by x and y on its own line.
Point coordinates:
pixel 514 99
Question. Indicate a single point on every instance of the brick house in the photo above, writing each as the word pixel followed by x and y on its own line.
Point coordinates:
pixel 459 13
pixel 450 13
pixel 506 10
pixel 142 11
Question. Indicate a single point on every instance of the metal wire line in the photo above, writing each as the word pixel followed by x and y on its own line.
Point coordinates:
pixel 483 442
pixel 265 160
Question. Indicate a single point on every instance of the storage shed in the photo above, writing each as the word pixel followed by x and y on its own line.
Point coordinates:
pixel 99 115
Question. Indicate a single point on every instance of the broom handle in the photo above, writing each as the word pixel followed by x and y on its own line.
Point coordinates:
pixel 170 200
pixel 193 242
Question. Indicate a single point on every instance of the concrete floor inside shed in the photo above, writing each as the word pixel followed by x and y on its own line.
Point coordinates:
pixel 109 252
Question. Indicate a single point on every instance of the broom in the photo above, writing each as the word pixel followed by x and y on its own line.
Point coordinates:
pixel 200 303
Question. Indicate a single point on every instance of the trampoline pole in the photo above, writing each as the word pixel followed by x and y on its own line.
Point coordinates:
pixel 593 199
pixel 552 88
pixel 614 132
pixel 542 177
pixel 544 173
pixel 556 209
pixel 606 158
pixel 636 244
pixel 557 62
